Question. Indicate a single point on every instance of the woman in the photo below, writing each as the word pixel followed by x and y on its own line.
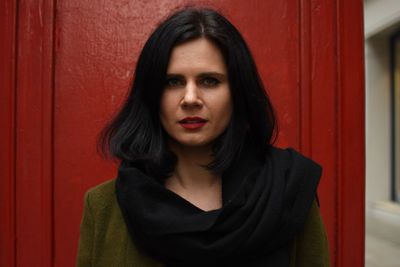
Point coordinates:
pixel 200 183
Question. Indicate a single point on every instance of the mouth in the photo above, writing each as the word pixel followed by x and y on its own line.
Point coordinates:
pixel 192 122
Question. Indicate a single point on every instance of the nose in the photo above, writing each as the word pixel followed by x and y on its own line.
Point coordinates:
pixel 191 97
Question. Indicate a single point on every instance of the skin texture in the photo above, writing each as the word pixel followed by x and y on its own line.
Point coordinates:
pixel 197 85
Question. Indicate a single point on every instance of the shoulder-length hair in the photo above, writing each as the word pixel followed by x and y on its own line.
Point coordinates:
pixel 136 136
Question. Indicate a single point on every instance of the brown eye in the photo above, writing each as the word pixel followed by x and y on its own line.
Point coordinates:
pixel 210 81
pixel 173 82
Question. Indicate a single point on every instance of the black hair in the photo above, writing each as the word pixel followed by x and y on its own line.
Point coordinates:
pixel 136 135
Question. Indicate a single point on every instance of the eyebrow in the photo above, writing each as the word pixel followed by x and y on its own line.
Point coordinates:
pixel 203 74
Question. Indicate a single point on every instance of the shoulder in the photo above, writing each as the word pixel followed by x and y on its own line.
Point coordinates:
pixel 311 244
pixel 101 206
pixel 290 157
pixel 287 152
pixel 102 196
pixel 105 240
pixel 282 153
pixel 105 189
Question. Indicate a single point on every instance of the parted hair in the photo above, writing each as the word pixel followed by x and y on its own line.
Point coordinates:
pixel 136 136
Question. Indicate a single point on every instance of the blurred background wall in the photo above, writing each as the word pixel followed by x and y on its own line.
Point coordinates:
pixel 382 66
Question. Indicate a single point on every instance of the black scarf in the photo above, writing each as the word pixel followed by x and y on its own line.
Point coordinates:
pixel 265 204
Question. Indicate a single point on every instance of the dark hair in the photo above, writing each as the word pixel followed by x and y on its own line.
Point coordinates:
pixel 136 136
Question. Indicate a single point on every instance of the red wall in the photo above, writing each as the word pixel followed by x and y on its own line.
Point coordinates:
pixel 66 66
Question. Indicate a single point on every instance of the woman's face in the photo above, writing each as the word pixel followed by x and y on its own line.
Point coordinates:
pixel 196 104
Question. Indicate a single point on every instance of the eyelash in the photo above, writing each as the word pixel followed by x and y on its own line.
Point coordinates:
pixel 172 82
pixel 214 81
pixel 205 81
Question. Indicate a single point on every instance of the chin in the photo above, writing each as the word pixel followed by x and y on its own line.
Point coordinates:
pixel 194 142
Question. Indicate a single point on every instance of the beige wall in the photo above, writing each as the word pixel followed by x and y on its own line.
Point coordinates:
pixel 382 18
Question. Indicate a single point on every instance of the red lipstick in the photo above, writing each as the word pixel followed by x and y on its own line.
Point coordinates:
pixel 192 123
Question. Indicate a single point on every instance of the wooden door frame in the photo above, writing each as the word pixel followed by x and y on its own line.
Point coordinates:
pixel 332 57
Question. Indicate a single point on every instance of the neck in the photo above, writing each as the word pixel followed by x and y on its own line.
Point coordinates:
pixel 192 181
pixel 189 171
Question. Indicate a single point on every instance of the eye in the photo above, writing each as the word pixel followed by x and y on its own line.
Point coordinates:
pixel 174 82
pixel 210 81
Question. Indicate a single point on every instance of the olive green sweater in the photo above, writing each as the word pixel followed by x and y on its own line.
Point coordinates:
pixel 104 238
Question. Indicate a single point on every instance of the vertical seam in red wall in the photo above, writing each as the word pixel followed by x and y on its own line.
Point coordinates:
pixel 304 97
pixel 15 121
pixel 300 73
pixel 48 136
pixel 54 43
pixel 336 249
pixel 338 174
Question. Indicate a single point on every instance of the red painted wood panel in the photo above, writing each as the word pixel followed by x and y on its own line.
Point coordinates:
pixel 34 134
pixel 351 138
pixel 319 133
pixel 7 132
pixel 74 61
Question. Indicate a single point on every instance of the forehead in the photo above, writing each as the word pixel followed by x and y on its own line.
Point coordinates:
pixel 199 54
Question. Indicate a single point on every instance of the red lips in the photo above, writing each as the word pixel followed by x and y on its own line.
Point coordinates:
pixel 192 122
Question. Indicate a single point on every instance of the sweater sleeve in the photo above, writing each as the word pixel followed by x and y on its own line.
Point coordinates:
pixel 311 245
pixel 85 247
